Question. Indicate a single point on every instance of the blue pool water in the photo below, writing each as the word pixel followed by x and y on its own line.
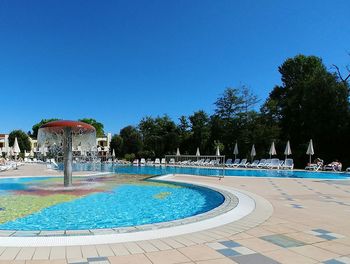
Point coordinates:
pixel 161 170
pixel 17 184
pixel 124 205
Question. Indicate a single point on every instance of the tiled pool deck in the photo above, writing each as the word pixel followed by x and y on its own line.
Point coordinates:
pixel 309 224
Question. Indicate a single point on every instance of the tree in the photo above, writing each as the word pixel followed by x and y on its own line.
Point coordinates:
pixel 184 131
pixel 310 103
pixel 97 125
pixel 36 127
pixel 229 104
pixel 160 135
pixel 200 132
pixel 234 118
pixel 132 142
pixel 117 145
pixel 22 138
pixel 346 77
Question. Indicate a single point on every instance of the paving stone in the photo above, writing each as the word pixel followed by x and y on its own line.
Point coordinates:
pixel 283 241
pixel 254 259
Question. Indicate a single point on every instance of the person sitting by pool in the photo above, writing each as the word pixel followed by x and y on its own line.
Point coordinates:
pixel 335 166
pixel 316 165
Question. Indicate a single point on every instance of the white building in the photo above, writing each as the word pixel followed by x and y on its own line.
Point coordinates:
pixel 102 145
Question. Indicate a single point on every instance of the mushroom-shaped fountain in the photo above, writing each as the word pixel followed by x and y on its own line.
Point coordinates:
pixel 67 134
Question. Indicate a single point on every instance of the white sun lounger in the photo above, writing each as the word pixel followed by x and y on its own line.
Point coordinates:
pixel 228 162
pixel 274 164
pixel 288 164
pixel 142 162
pixel 157 162
pixel 254 164
pixel 235 163
pixel 243 163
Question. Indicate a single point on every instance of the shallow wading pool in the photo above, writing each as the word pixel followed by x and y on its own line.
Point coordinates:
pixel 102 202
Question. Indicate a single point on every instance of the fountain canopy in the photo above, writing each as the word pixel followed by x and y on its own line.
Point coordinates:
pixel 65 136
pixel 52 133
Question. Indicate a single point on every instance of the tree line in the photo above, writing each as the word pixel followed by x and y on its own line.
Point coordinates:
pixel 312 102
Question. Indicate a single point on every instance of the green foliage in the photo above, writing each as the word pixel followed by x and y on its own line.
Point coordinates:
pixel 221 146
pixel 147 154
pixel 132 142
pixel 160 135
pixel 310 103
pixel 184 131
pixel 117 144
pixel 36 127
pixel 22 138
pixel 129 157
pixel 97 125
pixel 200 132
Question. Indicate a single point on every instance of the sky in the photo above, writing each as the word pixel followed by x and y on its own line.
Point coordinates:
pixel 118 61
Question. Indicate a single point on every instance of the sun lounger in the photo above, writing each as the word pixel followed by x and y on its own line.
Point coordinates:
pixel 135 162
pixel 157 162
pixel 172 161
pixel 235 163
pixel 149 162
pixel 288 164
pixel 261 163
pixel 199 162
pixel 274 164
pixel 206 162
pixel 142 162
pixel 5 167
pixel 243 163
pixel 228 162
pixel 254 164
pixel 184 163
pixel 334 166
pixel 314 166
pixel 162 162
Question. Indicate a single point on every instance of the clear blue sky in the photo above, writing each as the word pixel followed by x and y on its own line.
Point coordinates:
pixel 117 61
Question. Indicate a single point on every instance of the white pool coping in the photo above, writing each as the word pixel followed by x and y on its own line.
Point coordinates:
pixel 245 206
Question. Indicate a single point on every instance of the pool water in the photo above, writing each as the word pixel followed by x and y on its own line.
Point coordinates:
pixel 162 170
pixel 112 205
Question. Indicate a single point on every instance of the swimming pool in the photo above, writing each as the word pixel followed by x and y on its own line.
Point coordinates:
pixel 29 204
pixel 162 170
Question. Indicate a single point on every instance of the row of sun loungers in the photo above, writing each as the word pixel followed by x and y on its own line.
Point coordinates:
pixel 201 162
pixel 237 163
pixel 143 162
pixel 10 165
pixel 261 164
pixel 34 160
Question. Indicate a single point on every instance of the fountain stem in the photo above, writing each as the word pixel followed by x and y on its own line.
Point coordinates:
pixel 68 156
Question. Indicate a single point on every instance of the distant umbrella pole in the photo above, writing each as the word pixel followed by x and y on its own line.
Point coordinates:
pixel 288 150
pixel 235 151
pixel 310 150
